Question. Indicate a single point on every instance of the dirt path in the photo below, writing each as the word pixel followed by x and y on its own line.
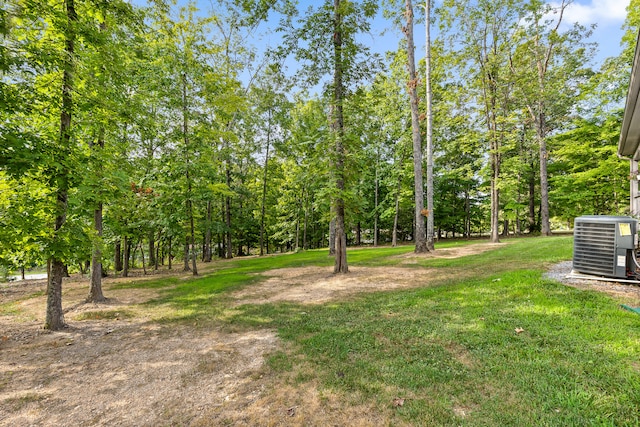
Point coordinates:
pixel 129 370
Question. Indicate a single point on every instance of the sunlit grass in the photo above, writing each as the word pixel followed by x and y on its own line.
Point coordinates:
pixel 489 343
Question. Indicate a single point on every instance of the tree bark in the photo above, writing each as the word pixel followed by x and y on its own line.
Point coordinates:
pixel 544 182
pixel 264 187
pixel 430 207
pixel 396 216
pixel 340 265
pixel 117 256
pixel 125 257
pixel 531 219
pixel 420 237
pixel 54 315
pixel 152 251
pixel 229 249
pixel 376 195
pixel 332 237
pixel 208 255
pixel 95 283
pixel 190 246
pixel 185 260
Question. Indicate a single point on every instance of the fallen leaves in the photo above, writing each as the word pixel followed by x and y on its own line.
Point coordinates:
pixel 519 330
pixel 398 401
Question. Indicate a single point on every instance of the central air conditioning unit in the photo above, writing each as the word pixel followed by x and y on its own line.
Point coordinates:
pixel 605 246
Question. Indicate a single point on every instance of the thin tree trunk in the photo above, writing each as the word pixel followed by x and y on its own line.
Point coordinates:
pixel 152 251
pixel 117 256
pixel 264 187
pixel 420 236
pixel 532 202
pixel 207 238
pixel 394 237
pixel 54 315
pixel 169 256
pixel 144 267
pixel 125 257
pixel 305 244
pixel 229 249
pixel 95 283
pixel 430 207
pixel 155 266
pixel 191 240
pixel 495 191
pixel 185 260
pixel 332 237
pixel 375 214
pixel 544 182
pixel 340 265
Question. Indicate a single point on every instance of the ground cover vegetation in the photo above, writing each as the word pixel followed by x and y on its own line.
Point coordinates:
pixel 161 134
pixel 475 335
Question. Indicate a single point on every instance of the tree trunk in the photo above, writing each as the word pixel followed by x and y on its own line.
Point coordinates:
pixel 169 255
pixel 394 237
pixel 340 265
pixel 332 237
pixel 544 183
pixel 54 315
pixel 191 240
pixel 305 244
pixel 152 250
pixel 375 212
pixel 208 255
pixel 125 257
pixel 430 207
pixel 229 253
pixel 155 266
pixel 495 192
pixel 467 215
pixel 117 256
pixel 264 187
pixel 532 202
pixel 95 283
pixel 420 236
pixel 144 267
pixel 185 260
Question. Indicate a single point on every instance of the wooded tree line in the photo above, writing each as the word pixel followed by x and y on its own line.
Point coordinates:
pixel 162 134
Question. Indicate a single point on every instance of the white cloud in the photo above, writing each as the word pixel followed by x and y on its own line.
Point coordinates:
pixel 601 12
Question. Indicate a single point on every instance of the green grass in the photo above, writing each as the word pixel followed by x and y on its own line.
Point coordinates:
pixel 492 343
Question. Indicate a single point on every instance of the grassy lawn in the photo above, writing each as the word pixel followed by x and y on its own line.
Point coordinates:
pixel 492 344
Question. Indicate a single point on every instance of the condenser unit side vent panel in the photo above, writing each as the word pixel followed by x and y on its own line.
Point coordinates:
pixel 604 245
pixel 595 248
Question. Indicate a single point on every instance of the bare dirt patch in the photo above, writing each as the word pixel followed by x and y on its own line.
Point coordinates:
pixel 450 253
pixel 115 365
pixel 317 285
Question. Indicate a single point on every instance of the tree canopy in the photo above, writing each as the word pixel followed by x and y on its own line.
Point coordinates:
pixel 144 135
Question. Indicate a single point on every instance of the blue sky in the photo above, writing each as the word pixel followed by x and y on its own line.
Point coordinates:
pixel 607 15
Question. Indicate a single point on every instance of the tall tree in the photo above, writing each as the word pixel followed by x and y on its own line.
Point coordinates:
pixel 484 34
pixel 326 43
pixel 55 316
pixel 429 114
pixel 550 70
pixel 420 236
